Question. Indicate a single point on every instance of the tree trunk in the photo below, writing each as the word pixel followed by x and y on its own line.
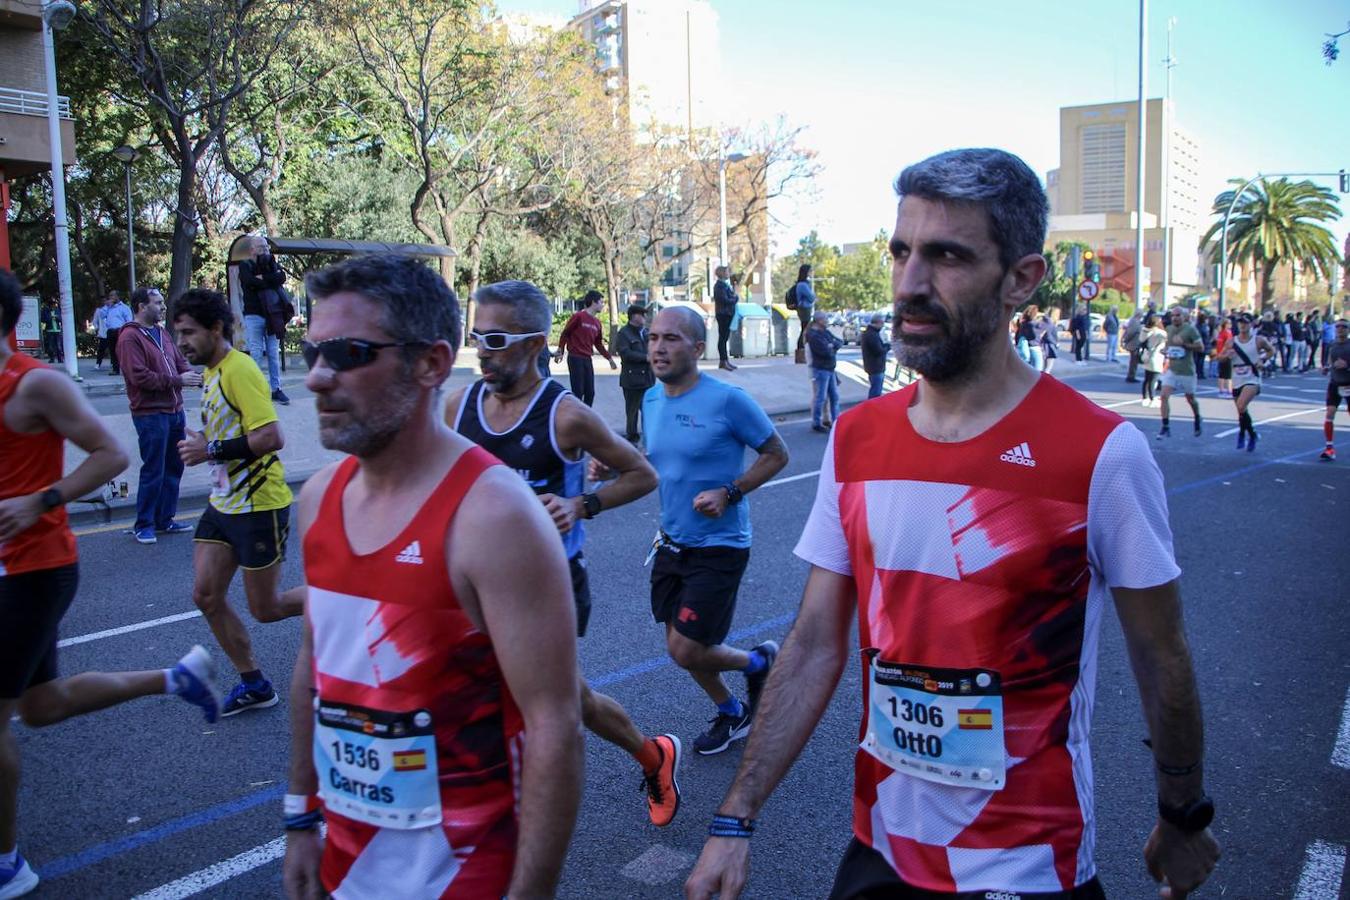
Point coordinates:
pixel 1267 277
pixel 475 251
pixel 81 248
pixel 184 229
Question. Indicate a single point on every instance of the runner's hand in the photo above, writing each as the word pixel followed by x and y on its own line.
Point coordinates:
pixel 712 503
pixel 192 379
pixel 598 471
pixel 564 511
pixel 300 868
pixel 1179 861
pixel 613 364
pixel 721 869
pixel 17 515
pixel 192 449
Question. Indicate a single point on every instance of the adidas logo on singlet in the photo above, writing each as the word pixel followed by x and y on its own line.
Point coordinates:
pixel 1019 455
pixel 410 554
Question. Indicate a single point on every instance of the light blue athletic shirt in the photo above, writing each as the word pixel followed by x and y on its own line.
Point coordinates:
pixel 698 441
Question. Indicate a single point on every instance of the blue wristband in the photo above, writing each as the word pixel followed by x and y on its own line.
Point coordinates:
pixel 304 821
pixel 732 827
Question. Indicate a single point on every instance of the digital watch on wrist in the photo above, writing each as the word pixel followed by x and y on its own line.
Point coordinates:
pixel 1190 818
pixel 734 494
pixel 590 504
pixel 51 499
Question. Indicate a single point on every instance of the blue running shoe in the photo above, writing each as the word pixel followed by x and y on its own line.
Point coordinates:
pixel 176 528
pixel 1251 445
pixel 17 881
pixel 249 696
pixel 145 536
pixel 1242 440
pixel 192 681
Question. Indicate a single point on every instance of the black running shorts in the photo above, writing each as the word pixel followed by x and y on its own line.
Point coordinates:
pixel 581 591
pixel 695 588
pixel 1334 398
pixel 31 607
pixel 864 875
pixel 257 538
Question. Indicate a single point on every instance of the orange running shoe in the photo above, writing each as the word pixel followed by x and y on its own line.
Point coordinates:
pixel 662 784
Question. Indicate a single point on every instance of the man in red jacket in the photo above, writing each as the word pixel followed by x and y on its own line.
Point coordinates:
pixel 155 373
pixel 581 337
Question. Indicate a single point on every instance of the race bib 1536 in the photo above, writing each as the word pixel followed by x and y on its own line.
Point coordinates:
pixel 377 767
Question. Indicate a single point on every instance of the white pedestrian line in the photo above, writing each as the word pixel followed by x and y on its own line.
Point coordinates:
pixel 1340 754
pixel 1323 868
pixel 1301 412
pixel 791 478
pixel 127 629
pixel 219 873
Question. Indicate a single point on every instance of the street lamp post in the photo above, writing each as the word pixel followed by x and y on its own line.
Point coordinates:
pixel 1228 214
pixel 56 15
pixel 1139 285
pixel 128 155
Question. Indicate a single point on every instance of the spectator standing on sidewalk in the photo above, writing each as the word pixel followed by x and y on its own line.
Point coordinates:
pixel 101 330
pixel 1079 323
pixel 1111 329
pixel 156 373
pixel 874 351
pixel 117 316
pixel 261 279
pixel 1129 342
pixel 824 347
pixel 635 373
pixel 581 337
pixel 50 320
pixel 724 308
pixel 806 301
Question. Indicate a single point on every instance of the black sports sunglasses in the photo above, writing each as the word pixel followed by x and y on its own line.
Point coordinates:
pixel 345 354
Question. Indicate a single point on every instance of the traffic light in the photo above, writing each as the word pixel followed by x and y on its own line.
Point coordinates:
pixel 1093 269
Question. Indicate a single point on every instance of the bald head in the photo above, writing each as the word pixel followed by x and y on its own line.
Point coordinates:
pixel 688 322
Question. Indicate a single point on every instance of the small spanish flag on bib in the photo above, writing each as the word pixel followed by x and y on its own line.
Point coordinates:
pixel 977 719
pixel 413 760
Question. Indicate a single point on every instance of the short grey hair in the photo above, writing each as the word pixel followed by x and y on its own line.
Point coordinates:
pixel 996 180
pixel 530 309
pixel 418 306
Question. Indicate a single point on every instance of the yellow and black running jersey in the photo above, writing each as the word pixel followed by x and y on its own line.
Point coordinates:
pixel 235 401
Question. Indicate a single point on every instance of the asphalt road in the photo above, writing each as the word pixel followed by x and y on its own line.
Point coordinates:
pixel 146 798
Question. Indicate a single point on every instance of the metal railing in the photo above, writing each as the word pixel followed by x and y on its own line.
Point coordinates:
pixel 31 103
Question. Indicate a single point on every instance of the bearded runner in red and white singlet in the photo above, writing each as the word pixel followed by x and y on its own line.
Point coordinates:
pixel 431 650
pixel 978 521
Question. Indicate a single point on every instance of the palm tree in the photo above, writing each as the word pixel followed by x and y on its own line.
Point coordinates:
pixel 1276 222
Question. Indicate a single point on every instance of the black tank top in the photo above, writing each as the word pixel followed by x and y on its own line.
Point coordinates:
pixel 530 447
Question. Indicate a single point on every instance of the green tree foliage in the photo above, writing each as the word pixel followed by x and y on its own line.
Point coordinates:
pixel 862 279
pixel 1278 222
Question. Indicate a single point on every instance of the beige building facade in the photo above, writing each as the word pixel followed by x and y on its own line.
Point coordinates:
pixel 1093 195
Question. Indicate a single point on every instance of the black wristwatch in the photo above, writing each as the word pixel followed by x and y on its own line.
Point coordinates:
pixel 1194 816
pixel 590 504
pixel 51 499
pixel 734 494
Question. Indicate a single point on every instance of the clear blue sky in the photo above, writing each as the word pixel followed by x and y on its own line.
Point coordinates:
pixel 881 83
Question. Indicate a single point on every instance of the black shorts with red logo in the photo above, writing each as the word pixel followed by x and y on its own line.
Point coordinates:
pixel 694 589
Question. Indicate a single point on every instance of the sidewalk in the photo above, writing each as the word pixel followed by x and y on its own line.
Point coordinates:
pixel 781 388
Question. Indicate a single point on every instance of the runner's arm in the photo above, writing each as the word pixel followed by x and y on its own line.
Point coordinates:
pixel 581 428
pixel 303 778
pixel 773 456
pixel 1161 659
pixel 799 688
pixel 524 603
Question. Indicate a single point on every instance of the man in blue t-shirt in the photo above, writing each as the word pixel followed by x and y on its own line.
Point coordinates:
pixel 697 431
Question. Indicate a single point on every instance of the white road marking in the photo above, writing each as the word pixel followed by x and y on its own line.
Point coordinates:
pixel 219 873
pixel 1340 754
pixel 1302 412
pixel 127 629
pixel 659 865
pixel 1323 867
pixel 791 478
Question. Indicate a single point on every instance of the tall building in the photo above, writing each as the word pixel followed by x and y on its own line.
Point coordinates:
pixel 1093 194
pixel 661 55
pixel 24 144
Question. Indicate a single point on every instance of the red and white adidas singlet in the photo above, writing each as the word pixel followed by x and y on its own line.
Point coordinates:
pixel 985 562
pixel 394 651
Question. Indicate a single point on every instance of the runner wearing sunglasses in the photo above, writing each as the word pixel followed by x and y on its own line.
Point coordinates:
pixel 434 709
pixel 247 518
pixel 540 429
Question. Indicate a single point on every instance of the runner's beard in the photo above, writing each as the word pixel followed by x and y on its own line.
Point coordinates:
pixel 953 354
pixel 376 429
